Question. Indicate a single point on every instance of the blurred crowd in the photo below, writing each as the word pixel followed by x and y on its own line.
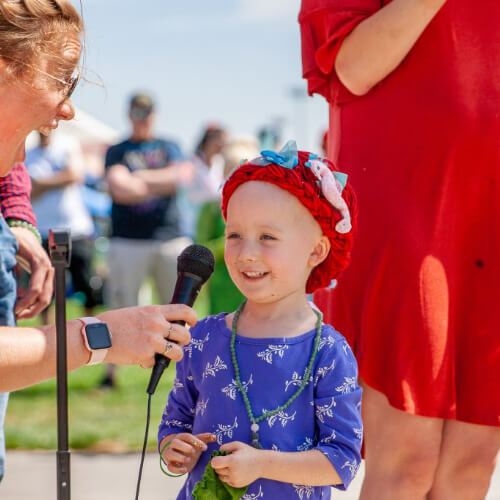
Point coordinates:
pixel 132 217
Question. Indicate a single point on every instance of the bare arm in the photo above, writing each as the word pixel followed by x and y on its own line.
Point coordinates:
pixel 125 188
pixel 28 355
pixel 310 468
pixel 379 43
pixel 163 181
pixel 58 180
pixel 72 173
pixel 245 464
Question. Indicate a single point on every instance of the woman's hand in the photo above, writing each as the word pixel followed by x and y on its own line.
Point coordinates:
pixel 34 300
pixel 241 467
pixel 184 450
pixel 140 332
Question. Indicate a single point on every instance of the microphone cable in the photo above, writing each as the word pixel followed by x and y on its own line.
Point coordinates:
pixel 194 266
pixel 144 446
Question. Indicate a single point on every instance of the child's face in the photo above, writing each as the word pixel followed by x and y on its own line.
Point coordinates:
pixel 272 242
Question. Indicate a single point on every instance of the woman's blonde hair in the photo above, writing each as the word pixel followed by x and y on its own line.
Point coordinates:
pixel 33 28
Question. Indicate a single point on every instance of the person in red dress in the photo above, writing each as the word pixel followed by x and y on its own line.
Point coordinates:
pixel 414 93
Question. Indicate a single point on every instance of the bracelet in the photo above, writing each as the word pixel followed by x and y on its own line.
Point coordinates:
pixel 162 462
pixel 22 223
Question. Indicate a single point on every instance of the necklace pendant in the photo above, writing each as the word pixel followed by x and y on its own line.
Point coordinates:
pixel 255 441
pixel 254 427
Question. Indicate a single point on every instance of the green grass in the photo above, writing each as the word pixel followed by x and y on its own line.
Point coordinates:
pixel 105 420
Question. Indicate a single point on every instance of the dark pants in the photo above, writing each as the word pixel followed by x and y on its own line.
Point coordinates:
pixel 80 270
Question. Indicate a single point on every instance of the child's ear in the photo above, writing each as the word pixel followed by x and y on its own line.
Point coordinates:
pixel 320 251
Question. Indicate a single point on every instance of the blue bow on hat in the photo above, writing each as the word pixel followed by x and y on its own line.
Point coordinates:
pixel 287 157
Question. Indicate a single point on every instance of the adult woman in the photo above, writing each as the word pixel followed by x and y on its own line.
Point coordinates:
pixel 39 50
pixel 414 92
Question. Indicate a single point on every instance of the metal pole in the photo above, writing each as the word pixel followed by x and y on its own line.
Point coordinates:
pixel 60 253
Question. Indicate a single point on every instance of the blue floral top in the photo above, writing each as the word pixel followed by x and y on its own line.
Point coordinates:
pixel 326 416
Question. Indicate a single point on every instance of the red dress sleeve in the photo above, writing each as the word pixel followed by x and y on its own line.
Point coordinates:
pixel 324 24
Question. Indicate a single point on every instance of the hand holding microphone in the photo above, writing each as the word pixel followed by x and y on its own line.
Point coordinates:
pixel 194 266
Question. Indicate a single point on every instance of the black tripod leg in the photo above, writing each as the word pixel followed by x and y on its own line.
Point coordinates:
pixel 60 254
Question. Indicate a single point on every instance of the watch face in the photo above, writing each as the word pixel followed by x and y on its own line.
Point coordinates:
pixel 98 336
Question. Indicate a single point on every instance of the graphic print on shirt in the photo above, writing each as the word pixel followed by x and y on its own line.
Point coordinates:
pixel 272 350
pixel 322 410
pixel 306 445
pixel 231 390
pixel 196 344
pixel 323 371
pixel 254 496
pixel 212 369
pixel 225 430
pixel 295 381
pixel 281 416
pixel 348 386
pixel 201 407
pixel 329 439
pixel 178 423
pixel 177 385
pixel 303 491
pixel 352 466
pixel 326 341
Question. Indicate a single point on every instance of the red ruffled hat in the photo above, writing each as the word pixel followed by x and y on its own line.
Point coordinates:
pixel 291 171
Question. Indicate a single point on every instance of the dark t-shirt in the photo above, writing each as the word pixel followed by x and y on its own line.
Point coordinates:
pixel 154 219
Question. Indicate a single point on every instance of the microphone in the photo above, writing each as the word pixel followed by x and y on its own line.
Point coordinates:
pixel 195 265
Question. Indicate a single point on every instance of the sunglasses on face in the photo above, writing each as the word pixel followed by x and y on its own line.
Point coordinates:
pixel 70 85
pixel 66 87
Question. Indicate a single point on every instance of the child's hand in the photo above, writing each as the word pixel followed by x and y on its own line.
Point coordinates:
pixel 241 467
pixel 182 454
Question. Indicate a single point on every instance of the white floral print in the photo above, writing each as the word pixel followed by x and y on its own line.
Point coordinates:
pixel 196 344
pixel 281 416
pixel 232 389
pixel 325 410
pixel 254 496
pixel 272 350
pixel 348 386
pixel 212 369
pixel 225 430
pixel 303 491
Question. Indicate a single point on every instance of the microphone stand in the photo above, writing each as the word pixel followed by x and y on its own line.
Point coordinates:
pixel 60 255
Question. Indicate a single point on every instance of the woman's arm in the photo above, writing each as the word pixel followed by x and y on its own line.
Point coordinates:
pixel 28 355
pixel 377 45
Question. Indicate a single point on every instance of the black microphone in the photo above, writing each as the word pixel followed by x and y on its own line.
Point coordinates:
pixel 195 265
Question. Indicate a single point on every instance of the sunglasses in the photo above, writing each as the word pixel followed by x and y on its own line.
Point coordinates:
pixel 67 87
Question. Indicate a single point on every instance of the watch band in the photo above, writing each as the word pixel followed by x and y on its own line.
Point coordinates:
pixel 96 355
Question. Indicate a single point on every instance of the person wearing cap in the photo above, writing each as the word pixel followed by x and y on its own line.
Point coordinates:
pixel 142 174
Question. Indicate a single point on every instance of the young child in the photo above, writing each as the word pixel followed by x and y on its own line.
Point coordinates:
pixel 270 383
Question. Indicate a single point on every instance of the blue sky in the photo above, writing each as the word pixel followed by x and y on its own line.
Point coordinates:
pixel 232 62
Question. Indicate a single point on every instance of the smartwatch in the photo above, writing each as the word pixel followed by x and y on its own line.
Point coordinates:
pixel 97 339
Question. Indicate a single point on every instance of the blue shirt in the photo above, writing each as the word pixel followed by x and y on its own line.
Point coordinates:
pixel 154 219
pixel 326 416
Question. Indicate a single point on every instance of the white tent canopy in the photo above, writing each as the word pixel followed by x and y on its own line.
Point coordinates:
pixel 88 130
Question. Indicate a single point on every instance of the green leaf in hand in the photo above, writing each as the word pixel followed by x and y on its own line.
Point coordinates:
pixel 210 487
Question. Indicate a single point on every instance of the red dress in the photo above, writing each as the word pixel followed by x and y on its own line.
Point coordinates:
pixel 420 302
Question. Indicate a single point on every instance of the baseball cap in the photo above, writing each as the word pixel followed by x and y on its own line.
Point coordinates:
pixel 141 106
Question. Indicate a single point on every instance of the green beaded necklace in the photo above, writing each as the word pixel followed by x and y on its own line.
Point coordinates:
pixel 254 427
